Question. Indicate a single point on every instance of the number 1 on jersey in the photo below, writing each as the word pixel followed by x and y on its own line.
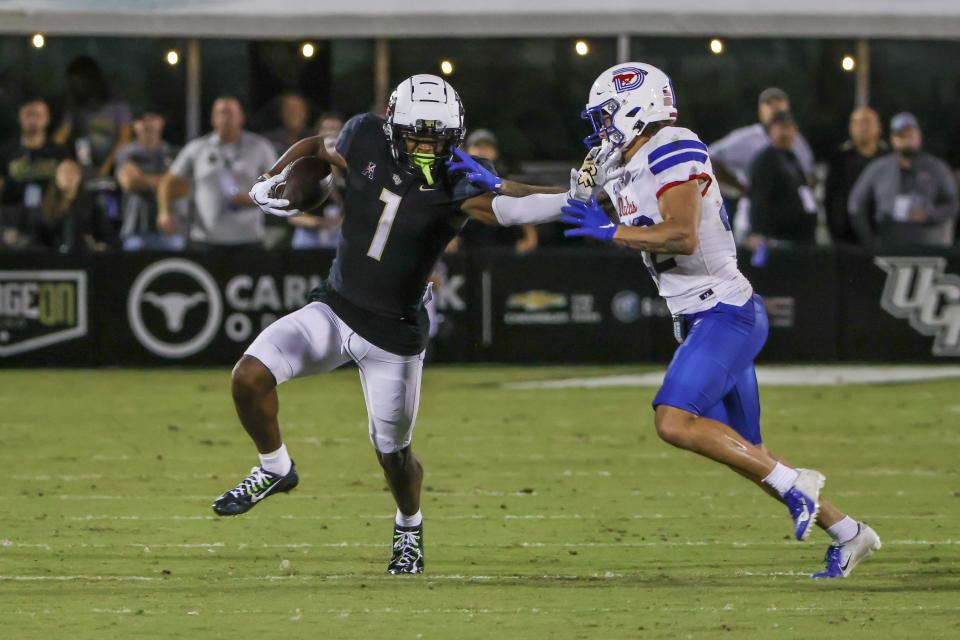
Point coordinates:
pixel 391 204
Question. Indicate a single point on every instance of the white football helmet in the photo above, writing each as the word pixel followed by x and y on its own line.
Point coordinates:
pixel 424 107
pixel 624 99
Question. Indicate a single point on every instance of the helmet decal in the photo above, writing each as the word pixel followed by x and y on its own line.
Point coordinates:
pixel 628 78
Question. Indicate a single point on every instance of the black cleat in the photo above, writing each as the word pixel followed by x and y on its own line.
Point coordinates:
pixel 407 550
pixel 255 487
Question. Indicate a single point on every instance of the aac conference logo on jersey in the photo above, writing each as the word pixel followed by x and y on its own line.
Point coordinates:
pixel 174 308
pixel 918 290
pixel 41 308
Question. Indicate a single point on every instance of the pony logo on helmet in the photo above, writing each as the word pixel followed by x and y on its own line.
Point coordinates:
pixel 624 99
pixel 628 78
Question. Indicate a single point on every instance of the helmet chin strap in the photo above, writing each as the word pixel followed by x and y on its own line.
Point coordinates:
pixel 425 162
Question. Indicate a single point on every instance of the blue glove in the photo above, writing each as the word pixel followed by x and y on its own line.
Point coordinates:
pixel 589 220
pixel 475 172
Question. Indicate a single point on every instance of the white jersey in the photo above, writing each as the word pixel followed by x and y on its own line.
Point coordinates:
pixel 696 282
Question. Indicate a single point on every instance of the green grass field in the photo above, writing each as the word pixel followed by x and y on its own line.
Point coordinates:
pixel 549 514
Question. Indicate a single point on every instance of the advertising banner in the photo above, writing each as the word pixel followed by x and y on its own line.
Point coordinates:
pixel 553 306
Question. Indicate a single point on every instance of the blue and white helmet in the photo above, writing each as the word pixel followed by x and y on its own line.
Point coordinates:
pixel 624 99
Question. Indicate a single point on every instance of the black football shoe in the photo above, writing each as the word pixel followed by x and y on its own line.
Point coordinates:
pixel 407 550
pixel 255 487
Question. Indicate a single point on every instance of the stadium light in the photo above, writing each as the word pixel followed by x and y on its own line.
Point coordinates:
pixel 38 40
pixel 716 46
pixel 173 57
pixel 848 63
pixel 307 49
pixel 446 67
pixel 582 47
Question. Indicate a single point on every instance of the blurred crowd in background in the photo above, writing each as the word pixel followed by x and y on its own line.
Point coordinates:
pixel 104 177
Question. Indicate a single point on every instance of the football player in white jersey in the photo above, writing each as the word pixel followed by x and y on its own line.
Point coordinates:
pixel 668 206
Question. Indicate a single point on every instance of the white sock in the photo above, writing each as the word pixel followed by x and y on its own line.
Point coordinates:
pixel 781 478
pixel 277 462
pixel 845 530
pixel 409 521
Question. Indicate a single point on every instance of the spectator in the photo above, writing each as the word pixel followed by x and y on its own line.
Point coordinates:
pixel 94 125
pixel 38 184
pixel 294 114
pixel 484 144
pixel 330 124
pixel 733 155
pixel 321 230
pixel 220 167
pixel 782 205
pixel 140 166
pixel 906 198
pixel 847 164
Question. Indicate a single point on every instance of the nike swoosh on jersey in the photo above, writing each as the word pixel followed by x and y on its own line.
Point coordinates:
pixel 432 189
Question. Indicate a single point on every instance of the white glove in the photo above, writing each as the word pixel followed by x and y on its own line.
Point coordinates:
pixel 601 165
pixel 260 194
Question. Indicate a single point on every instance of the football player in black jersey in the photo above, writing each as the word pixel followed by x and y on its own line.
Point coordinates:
pixel 403 204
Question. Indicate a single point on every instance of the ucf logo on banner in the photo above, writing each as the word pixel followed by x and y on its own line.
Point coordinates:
pixel 918 290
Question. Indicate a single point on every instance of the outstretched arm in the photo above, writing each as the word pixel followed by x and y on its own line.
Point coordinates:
pixel 520 190
pixel 482 177
pixel 507 211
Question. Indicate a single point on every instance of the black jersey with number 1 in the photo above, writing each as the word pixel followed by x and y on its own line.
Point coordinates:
pixel 395 227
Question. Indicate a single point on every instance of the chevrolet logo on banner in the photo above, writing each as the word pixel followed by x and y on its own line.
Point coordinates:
pixel 41 308
pixel 537 300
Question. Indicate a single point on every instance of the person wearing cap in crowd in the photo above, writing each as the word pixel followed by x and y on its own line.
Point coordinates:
pixel 906 198
pixel 482 143
pixel 140 166
pixel 782 206
pixel 733 154
pixel 864 145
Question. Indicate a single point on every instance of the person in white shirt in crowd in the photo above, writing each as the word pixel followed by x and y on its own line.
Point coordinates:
pixel 218 166
pixel 734 154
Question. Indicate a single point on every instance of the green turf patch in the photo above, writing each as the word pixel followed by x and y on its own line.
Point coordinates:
pixel 548 513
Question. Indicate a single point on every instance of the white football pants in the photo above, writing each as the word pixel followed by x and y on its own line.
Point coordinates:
pixel 315 340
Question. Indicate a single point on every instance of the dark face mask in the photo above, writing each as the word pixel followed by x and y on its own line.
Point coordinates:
pixel 909 153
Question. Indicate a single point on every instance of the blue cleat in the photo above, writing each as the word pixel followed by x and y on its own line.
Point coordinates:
pixel 842 558
pixel 803 501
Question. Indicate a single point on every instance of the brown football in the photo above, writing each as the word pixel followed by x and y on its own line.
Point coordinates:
pixel 306 184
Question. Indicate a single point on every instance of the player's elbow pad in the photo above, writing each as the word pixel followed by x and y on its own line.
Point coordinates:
pixel 532 209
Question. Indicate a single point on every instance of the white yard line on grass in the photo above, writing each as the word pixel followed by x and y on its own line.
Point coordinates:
pixel 787 376
pixel 604 517
pixel 461 545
